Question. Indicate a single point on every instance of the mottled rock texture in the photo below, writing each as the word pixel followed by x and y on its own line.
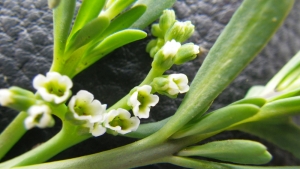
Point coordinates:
pixel 26 50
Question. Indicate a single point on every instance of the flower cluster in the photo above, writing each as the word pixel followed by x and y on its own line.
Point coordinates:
pixel 92 113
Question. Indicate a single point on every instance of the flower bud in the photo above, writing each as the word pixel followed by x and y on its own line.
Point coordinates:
pixel 180 31
pixel 152 43
pixel 166 20
pixel 186 53
pixel 156 31
pixel 171 85
pixel 17 98
pixel 163 59
pixel 53 3
pixel 159 43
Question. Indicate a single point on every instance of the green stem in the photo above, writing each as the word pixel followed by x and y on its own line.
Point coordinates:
pixel 66 138
pixel 143 152
pixel 12 133
pixel 140 153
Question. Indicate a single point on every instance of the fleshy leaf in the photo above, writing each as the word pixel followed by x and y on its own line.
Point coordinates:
pixel 235 151
pixel 124 20
pixel 117 7
pixel 219 120
pixel 154 10
pixel 109 44
pixel 88 11
pixel 89 32
pixel 258 101
pixel 281 78
pixel 196 163
pixel 284 134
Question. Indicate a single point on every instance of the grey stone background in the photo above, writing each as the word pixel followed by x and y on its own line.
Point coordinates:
pixel 26 50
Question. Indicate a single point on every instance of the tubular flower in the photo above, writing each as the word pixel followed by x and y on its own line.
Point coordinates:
pixel 96 129
pixel 54 87
pixel 178 83
pixel 84 107
pixel 40 116
pixel 141 100
pixel 120 121
pixel 5 97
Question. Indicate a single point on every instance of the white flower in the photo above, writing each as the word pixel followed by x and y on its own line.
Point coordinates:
pixel 141 100
pixel 54 87
pixel 178 83
pixel 170 48
pixel 40 116
pixel 84 107
pixel 5 97
pixel 120 121
pixel 96 129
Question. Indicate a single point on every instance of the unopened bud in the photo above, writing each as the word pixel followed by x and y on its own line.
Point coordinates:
pixel 186 53
pixel 163 59
pixel 16 98
pixel 180 31
pixel 156 31
pixel 166 20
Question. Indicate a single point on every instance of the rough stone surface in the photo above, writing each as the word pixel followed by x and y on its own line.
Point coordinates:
pixel 26 50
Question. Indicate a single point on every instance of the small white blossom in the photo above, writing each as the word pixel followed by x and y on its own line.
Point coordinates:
pixel 196 49
pixel 96 129
pixel 120 121
pixel 40 116
pixel 178 83
pixel 54 87
pixel 84 107
pixel 141 100
pixel 170 48
pixel 5 97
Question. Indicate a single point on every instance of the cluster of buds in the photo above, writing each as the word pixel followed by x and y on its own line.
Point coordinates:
pixel 167 49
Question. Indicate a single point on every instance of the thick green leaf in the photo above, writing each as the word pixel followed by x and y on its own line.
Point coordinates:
pixel 283 75
pixel 258 101
pixel 88 11
pixel 62 19
pixel 255 91
pixel 285 135
pixel 219 120
pixel 235 151
pixel 89 32
pixel 196 163
pixel 278 109
pixel 246 34
pixel 154 10
pixel 117 40
pixel 124 20
pixel 109 44
pixel 117 7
